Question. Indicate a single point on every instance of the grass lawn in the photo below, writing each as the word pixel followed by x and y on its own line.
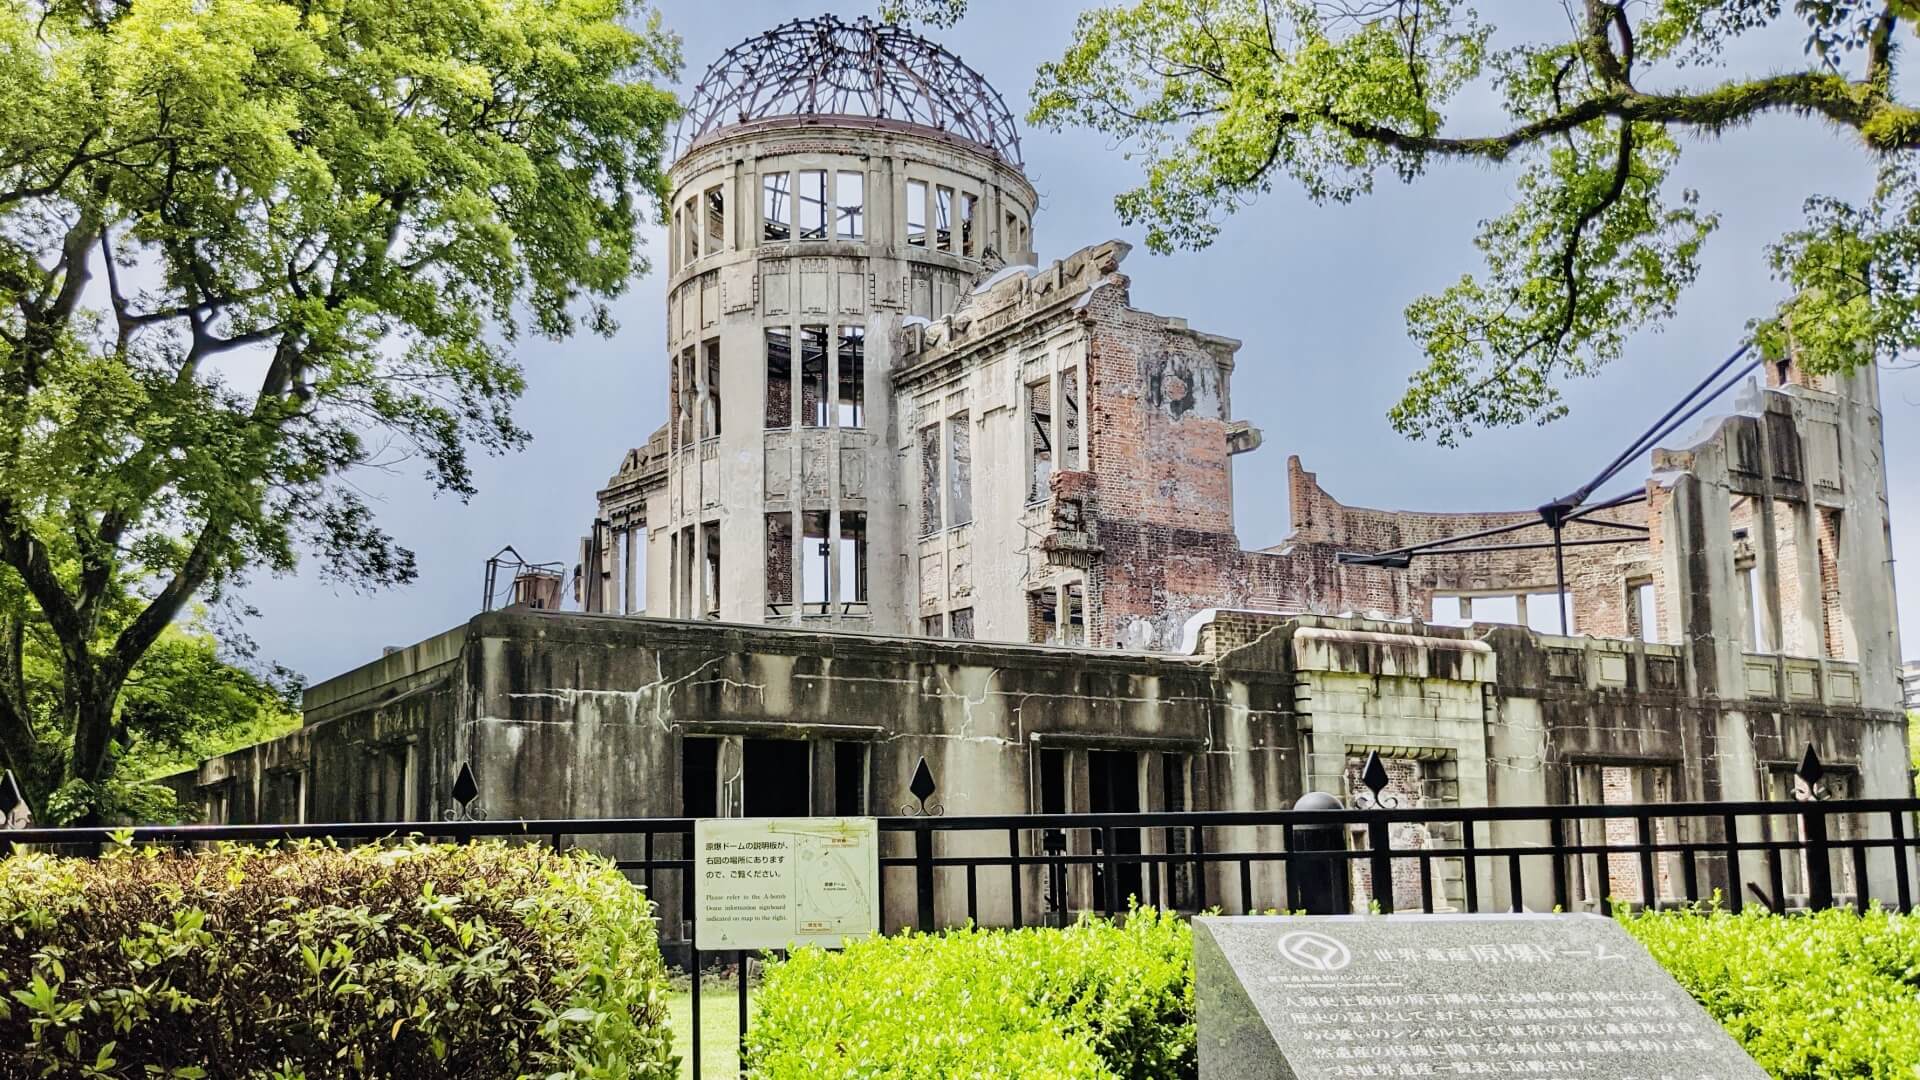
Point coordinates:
pixel 719 1028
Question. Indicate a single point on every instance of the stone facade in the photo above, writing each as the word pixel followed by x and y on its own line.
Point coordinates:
pixel 567 715
pixel 777 582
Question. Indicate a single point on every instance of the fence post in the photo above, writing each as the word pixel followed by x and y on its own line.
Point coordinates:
pixel 1813 826
pixel 1324 887
pixel 1813 833
pixel 923 872
pixel 1380 840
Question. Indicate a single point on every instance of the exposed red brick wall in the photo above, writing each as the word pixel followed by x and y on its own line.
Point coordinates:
pixel 1833 618
pixel 1596 574
pixel 1163 516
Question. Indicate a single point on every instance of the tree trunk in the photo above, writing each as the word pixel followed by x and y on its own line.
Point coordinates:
pixel 89 697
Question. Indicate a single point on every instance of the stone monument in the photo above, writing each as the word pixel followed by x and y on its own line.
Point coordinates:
pixel 1528 997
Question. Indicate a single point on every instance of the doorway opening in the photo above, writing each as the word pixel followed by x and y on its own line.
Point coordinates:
pixel 1113 787
pixel 776 774
pixel 699 777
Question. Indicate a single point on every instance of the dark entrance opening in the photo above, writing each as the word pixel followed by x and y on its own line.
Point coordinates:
pixel 1113 787
pixel 700 777
pixel 775 777
pixel 850 779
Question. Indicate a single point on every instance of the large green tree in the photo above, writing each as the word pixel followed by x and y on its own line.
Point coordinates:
pixel 1221 100
pixel 249 245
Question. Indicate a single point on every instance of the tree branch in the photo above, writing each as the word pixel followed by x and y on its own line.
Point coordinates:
pixel 1807 92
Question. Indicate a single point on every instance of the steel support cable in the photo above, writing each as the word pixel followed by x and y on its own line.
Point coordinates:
pixel 1661 428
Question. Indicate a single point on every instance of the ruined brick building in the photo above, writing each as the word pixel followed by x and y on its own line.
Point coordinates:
pixel 891 429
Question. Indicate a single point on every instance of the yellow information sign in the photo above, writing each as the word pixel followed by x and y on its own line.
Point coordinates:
pixel 772 883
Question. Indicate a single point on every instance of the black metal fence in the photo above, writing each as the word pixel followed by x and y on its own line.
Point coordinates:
pixel 1020 870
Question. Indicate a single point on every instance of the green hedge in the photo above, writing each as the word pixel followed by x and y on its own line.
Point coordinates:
pixel 1814 997
pixel 404 960
pixel 1820 997
pixel 1093 1000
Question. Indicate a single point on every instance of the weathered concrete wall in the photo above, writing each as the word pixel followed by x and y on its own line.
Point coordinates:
pixel 571 716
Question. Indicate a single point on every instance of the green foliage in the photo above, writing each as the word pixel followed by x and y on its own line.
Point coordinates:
pixel 1913 748
pixel 187 698
pixel 247 246
pixel 475 961
pixel 1094 1000
pixel 1221 99
pixel 931 12
pixel 1821 997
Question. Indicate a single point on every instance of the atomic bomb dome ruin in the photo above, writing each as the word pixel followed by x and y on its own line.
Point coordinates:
pixel 920 495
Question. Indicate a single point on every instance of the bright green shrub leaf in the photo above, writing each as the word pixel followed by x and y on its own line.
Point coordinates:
pixel 310 961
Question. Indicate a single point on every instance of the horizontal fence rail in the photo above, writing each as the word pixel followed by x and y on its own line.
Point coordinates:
pixel 1048 869
pixel 1785 855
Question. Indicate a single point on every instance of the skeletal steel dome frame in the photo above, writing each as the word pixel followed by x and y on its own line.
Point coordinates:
pixel 828 68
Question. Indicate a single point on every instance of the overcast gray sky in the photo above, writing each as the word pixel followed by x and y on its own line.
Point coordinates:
pixel 1315 292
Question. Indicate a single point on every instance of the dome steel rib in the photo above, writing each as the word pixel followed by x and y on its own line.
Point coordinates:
pixel 826 68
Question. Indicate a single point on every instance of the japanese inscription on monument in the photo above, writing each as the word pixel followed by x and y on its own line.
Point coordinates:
pixel 769 883
pixel 1528 997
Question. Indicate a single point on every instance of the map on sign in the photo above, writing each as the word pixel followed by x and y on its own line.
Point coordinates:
pixel 771 883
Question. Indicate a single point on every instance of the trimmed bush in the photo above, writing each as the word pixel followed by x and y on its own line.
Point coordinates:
pixel 1816 997
pixel 404 960
pixel 1094 1000
pixel 1812 997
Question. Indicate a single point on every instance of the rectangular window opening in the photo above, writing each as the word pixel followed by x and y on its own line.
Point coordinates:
pixel 1753 623
pixel 1643 622
pixel 710 415
pixel 716 220
pixel 850 193
pixel 1492 609
pixel 917 213
pixel 673 236
pixel 779 377
pixel 1043 616
pixel 1836 628
pixel 780 564
pixel 689 388
pixel 850 581
pixel 1075 630
pixel 816 554
pixel 943 217
pixel 929 480
pixel 851 392
pixel 960 624
pixel 959 471
pixel 776 207
pixel 969 205
pixel 1070 419
pixel 813 204
pixel 933 626
pixel 712 562
pixel 1543 613
pixel 1039 441
pixel 813 376
pixel 690 234
pixel 683 578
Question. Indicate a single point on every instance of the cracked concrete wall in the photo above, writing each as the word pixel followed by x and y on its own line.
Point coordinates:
pixel 577 716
